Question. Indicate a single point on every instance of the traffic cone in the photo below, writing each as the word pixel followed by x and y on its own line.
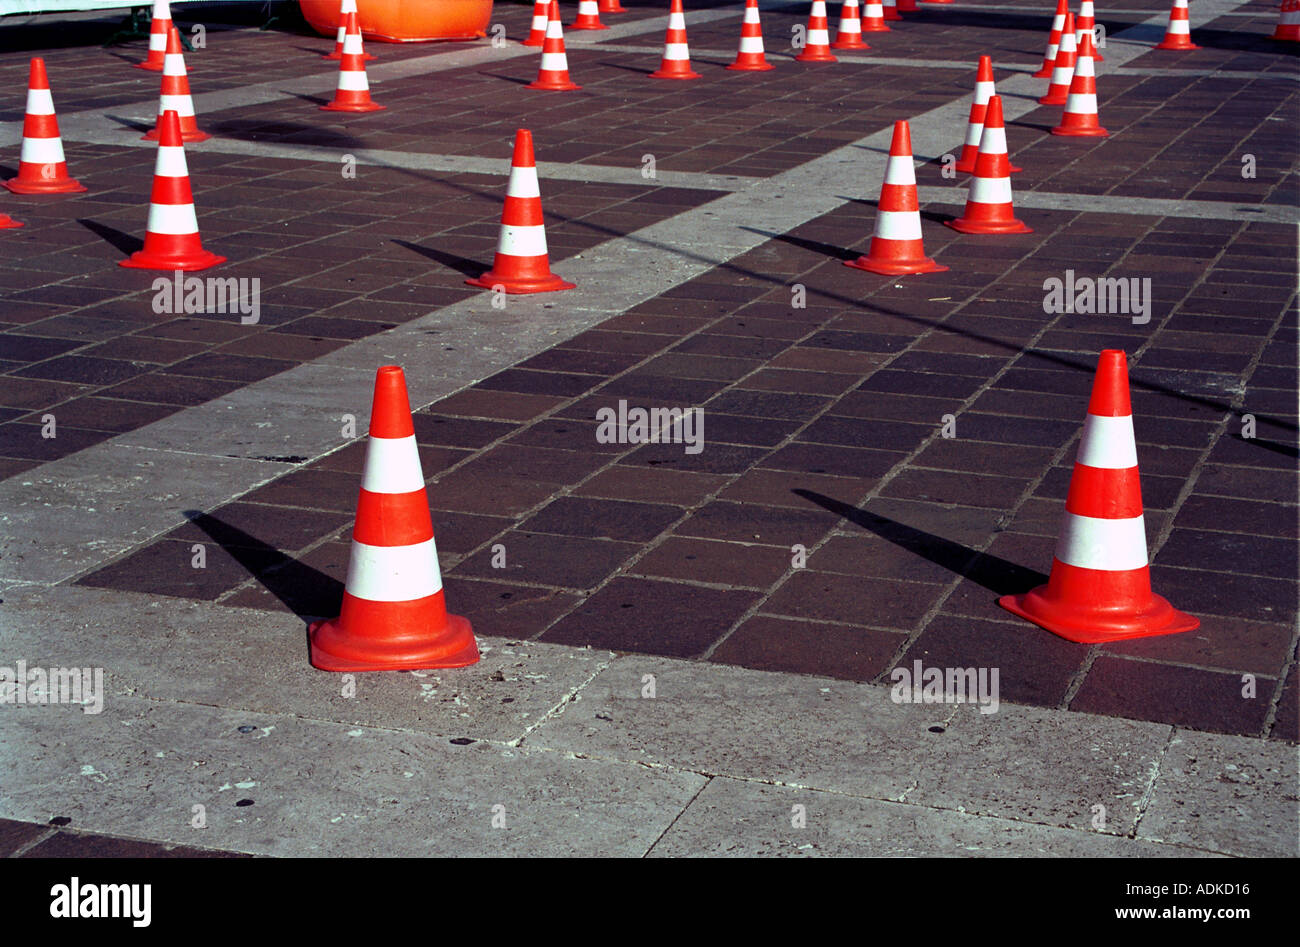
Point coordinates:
pixel 676 63
pixel 1058 90
pixel 988 205
pixel 171 240
pixel 553 74
pixel 1080 117
pixel 8 223
pixel 873 17
pixel 984 90
pixel 817 41
pixel 750 57
pixel 1053 40
pixel 42 168
pixel 1100 585
pixel 537 33
pixel 394 616
pixel 849 34
pixel 896 248
pixel 588 17
pixel 1288 22
pixel 891 10
pixel 348 6
pixel 522 264
pixel 176 94
pixel 1178 35
pixel 1086 22
pixel 159 26
pixel 353 91
pixel 611 6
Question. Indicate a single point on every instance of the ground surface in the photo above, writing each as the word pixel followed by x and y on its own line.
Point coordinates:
pixel 822 430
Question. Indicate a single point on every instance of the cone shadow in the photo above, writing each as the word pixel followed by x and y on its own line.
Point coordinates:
pixel 998 575
pixel 124 242
pixel 472 269
pixel 129 123
pixel 816 246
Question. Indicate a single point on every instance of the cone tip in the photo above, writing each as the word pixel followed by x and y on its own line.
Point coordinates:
pixel 1110 394
pixel 993 116
pixel 523 156
pixel 985 69
pixel 902 140
pixel 390 415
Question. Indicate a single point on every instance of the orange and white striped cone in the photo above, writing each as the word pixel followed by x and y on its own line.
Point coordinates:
pixel 1053 40
pixel 158 28
pixel 588 17
pixel 891 10
pixel 522 264
pixel 553 74
pixel 896 248
pixel 817 37
pixel 849 34
pixel 347 6
pixel 1100 585
pixel 171 240
pixel 1086 22
pixel 353 91
pixel 1178 35
pixel 611 6
pixel 984 90
pixel 394 615
pixel 1288 22
pixel 1058 90
pixel 537 31
pixel 42 168
pixel 1080 119
pixel 176 94
pixel 751 57
pixel 988 205
pixel 873 17
pixel 676 62
pixel 8 223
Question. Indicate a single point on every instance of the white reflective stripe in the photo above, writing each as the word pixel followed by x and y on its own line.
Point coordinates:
pixel 352 44
pixel 343 32
pixel 539 22
pixel 1067 43
pixel 1086 9
pixel 676 21
pixel 853 25
pixel 40 102
pixel 751 15
pixel 555 62
pixel 875 10
pixel 818 38
pixel 1052 50
pixel 973 133
pixel 170 162
pixel 1062 75
pixel 1082 103
pixel 174 219
pixel 1108 443
pixel 587 7
pixel 41 151
pixel 1058 22
pixel 523 183
pixel 394 573
pixel 751 44
pixel 899 170
pixel 522 241
pixel 554 29
pixel 174 64
pixel 349 6
pixel 157 42
pixel 993 141
pixel 182 105
pixel 898 225
pixel 676 51
pixel 1083 67
pixel 162 10
pixel 1109 545
pixel 392 465
pixel 351 80
pixel 819 8
pixel 990 190
pixel 983 91
pixel 1178 26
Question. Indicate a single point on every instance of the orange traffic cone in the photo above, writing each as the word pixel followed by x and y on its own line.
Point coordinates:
pixel 159 26
pixel 984 90
pixel 588 17
pixel 817 40
pixel 541 16
pixel 176 94
pixel 42 168
pixel 1053 40
pixel 353 91
pixel 171 241
pixel 1086 22
pixel 611 6
pixel 849 35
pixel 891 10
pixel 676 62
pixel 1178 35
pixel 1058 90
pixel 1080 117
pixel 1288 22
pixel 522 264
pixel 873 17
pixel 1100 586
pixel 750 57
pixel 896 248
pixel 348 6
pixel 988 205
pixel 553 74
pixel 8 223
pixel 394 616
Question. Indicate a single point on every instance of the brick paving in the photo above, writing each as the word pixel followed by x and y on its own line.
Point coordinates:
pixel 822 423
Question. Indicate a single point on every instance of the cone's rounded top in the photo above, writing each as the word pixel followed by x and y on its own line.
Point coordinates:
pixel 169 130
pixel 993 116
pixel 390 416
pixel 985 73
pixel 1062 7
pixel 1110 387
pixel 173 41
pixel 553 11
pixel 676 7
pixel 1085 46
pixel 353 22
pixel 901 145
pixel 1069 24
pixel 523 157
pixel 37 77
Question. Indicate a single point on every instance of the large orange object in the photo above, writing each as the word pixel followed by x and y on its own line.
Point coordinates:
pixel 394 617
pixel 1178 34
pixel 1100 586
pixel 751 57
pixel 817 37
pixel 405 21
pixel 8 223
pixel 985 89
pixel 176 94
pixel 553 73
pixel 353 91
pixel 988 205
pixel 676 61
pixel 42 168
pixel 1080 119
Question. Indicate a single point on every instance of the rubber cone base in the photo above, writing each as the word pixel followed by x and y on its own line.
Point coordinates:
pixel 962 225
pixel 809 56
pixel 456 649
pixel 1098 626
pixel 554 85
pixel 145 260
pixel 357 107
pixel 66 186
pixel 8 223
pixel 187 137
pixel 521 287
pixel 675 74
pixel 762 67
pixel 148 66
pixel 849 44
pixel 1054 99
pixel 925 265
pixel 1186 44
pixel 1097 132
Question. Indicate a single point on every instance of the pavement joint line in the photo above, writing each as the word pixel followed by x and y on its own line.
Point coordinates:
pixel 669 827
pixel 29 845
pixel 562 704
